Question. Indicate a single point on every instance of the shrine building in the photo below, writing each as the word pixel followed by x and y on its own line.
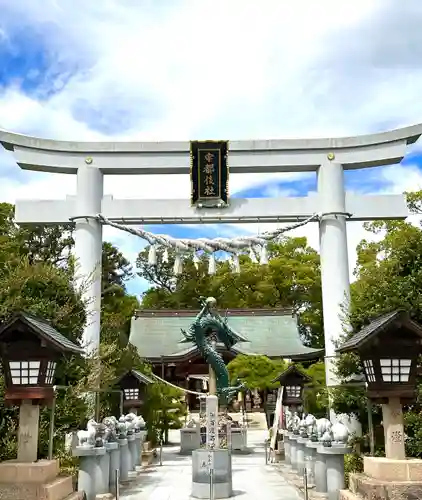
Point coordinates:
pixel 157 336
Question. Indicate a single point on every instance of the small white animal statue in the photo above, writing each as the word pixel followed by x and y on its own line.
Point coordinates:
pixel 310 422
pixel 296 423
pixel 303 429
pixel 129 422
pixel 86 437
pixel 141 423
pixel 110 433
pixel 351 422
pixel 288 419
pixel 340 433
pixel 323 425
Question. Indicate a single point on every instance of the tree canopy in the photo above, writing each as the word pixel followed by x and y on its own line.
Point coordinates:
pixel 36 270
pixel 291 280
pixel 388 277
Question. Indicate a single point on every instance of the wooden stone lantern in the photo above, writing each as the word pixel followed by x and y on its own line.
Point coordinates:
pixel 388 349
pixel 293 381
pixel 30 349
pixel 133 384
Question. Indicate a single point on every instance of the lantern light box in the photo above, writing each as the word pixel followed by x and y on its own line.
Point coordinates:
pixel 30 348
pixel 388 349
pixel 293 380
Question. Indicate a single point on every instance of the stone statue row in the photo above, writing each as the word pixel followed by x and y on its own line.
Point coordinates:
pixel 321 430
pixel 111 429
pixel 109 453
pixel 316 448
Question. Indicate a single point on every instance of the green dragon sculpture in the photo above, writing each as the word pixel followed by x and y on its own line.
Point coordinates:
pixel 208 323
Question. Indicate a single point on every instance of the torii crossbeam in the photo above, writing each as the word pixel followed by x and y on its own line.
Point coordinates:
pixel 90 161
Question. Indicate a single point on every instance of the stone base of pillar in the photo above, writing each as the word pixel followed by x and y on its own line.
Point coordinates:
pixel 385 478
pixel 222 461
pixel 148 454
pixel 36 480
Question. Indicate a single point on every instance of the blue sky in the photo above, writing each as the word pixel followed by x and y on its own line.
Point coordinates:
pixel 138 70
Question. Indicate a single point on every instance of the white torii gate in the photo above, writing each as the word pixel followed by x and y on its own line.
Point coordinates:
pixel 90 161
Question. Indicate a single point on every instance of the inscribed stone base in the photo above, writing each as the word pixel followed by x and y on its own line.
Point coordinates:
pixel 368 488
pixel 222 474
pixel 388 469
pixel 34 481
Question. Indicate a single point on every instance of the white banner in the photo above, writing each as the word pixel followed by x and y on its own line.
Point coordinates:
pixel 278 417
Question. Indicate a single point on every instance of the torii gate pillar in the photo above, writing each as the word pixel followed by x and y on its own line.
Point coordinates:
pixel 88 250
pixel 335 280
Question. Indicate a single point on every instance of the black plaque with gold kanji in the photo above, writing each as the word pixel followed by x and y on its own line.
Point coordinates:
pixel 209 172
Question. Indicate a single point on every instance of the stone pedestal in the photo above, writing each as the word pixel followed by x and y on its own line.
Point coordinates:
pixel 310 459
pixel 300 455
pixel 114 464
pixel 190 439
pixel 138 444
pixel 320 472
pixel 385 479
pixel 239 440
pixel 29 416
pixel 222 473
pixel 287 448
pixel 131 443
pixel 293 451
pixel 334 460
pixel 34 481
pixel 125 461
pixel 392 418
pixel 92 477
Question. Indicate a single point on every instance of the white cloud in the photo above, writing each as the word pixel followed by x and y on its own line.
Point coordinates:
pixel 178 70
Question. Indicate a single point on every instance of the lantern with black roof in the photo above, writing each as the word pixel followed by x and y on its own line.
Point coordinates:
pixel 30 349
pixel 388 348
pixel 133 383
pixel 293 381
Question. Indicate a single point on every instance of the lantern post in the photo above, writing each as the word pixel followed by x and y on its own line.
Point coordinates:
pixel 388 349
pixel 30 350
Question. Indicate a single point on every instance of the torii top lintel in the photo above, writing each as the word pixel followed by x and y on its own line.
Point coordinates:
pixel 279 155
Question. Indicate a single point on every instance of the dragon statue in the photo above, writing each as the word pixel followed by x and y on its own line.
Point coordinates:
pixel 207 327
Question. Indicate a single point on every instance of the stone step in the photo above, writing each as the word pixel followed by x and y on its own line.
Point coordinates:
pixel 368 488
pixel 76 495
pixel 58 489
pixel 348 495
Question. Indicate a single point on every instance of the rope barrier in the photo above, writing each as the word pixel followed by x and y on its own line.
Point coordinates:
pixel 188 391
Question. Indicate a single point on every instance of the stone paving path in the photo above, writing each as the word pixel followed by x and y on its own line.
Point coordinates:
pixel 252 479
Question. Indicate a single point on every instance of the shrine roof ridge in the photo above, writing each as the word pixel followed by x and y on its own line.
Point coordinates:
pixel 191 313
pixel 11 139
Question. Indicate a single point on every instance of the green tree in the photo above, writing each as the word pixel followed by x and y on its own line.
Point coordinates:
pixel 256 372
pixel 37 276
pixel 290 280
pixel 388 277
pixel 117 305
pixel 164 410
pixel 316 396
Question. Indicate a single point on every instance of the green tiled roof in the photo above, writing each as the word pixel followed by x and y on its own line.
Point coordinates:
pixel 270 332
